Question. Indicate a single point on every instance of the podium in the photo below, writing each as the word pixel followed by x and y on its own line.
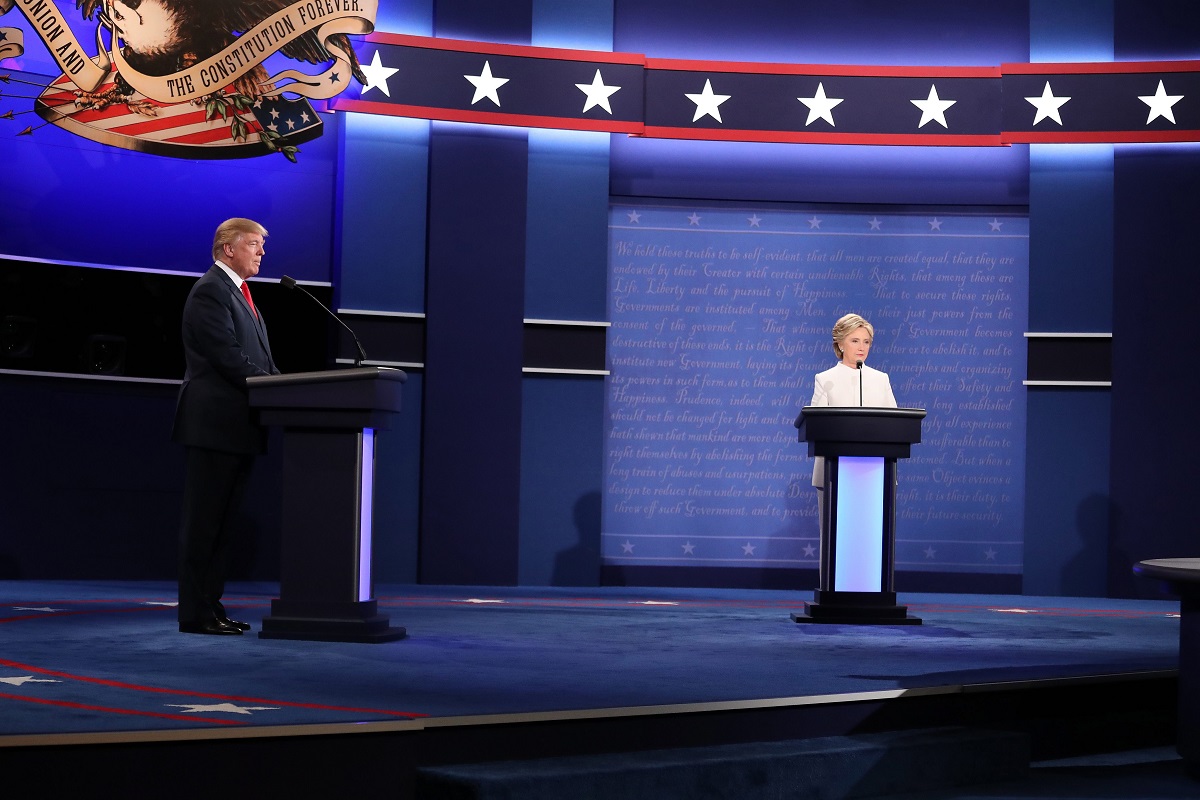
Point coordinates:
pixel 329 421
pixel 858 530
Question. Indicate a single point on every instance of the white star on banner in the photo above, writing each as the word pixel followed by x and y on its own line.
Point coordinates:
pixel 747 549
pixel 809 551
pixel 377 76
pixel 995 224
pixel 814 222
pixel 935 224
pixel 635 217
pixel 1161 104
pixel 694 219
pixel 707 103
pixel 990 554
pixel 626 546
pixel 597 93
pixel 933 108
pixel 26 679
pixel 223 708
pixel 1047 105
pixel 754 220
pixel 875 223
pixel 689 549
pixel 486 85
pixel 820 106
pixel 930 552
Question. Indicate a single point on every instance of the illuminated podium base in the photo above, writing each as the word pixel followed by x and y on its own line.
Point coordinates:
pixel 855 608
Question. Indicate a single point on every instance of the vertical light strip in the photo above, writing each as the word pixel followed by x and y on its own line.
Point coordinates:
pixel 366 483
pixel 858 562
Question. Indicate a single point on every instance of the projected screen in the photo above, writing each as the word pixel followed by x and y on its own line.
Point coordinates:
pixel 721 317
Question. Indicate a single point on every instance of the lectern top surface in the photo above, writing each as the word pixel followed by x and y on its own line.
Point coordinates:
pixel 331 376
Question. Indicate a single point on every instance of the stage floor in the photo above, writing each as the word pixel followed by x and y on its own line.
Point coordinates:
pixel 96 661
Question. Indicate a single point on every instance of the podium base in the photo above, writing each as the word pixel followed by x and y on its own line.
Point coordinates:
pixel 328 622
pixel 855 608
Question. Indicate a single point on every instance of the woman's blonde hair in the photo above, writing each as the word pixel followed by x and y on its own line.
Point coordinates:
pixel 846 326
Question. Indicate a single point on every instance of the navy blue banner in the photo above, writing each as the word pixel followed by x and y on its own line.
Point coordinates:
pixel 722 316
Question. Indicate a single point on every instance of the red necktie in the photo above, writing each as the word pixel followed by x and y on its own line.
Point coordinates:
pixel 246 294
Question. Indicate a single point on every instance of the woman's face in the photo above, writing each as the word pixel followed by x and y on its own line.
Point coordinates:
pixel 855 346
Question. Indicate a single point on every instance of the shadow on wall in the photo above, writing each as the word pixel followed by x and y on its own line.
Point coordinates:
pixel 579 564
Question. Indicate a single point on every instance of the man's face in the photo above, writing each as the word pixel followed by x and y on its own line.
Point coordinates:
pixel 245 254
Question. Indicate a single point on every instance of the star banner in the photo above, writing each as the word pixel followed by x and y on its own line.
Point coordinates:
pixel 1130 102
pixel 542 87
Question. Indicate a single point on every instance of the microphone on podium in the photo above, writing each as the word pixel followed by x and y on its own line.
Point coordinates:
pixel 290 283
pixel 858 366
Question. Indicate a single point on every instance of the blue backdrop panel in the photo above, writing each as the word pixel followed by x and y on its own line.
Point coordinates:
pixel 721 318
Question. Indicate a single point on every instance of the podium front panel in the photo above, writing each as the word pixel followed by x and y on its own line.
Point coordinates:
pixel 858 544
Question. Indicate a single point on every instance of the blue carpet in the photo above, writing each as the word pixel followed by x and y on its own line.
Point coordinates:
pixel 87 657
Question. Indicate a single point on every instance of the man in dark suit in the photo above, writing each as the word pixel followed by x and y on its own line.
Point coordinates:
pixel 224 342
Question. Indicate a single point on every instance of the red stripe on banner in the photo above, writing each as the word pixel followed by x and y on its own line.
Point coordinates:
pixel 850 70
pixel 154 124
pixel 129 712
pixel 1106 67
pixel 487 117
pixel 1099 137
pixel 210 135
pixel 207 695
pixel 493 48
pixel 976 140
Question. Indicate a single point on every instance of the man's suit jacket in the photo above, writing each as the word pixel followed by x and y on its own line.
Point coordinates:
pixel 223 344
pixel 839 387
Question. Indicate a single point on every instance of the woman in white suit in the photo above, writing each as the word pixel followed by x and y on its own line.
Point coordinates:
pixel 841 386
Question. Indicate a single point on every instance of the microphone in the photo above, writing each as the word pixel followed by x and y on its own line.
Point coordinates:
pixel 858 366
pixel 290 283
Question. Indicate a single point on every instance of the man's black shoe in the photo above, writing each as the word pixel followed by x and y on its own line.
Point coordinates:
pixel 241 626
pixel 214 627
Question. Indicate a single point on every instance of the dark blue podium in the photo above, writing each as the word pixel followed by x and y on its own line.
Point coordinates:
pixel 1181 576
pixel 329 421
pixel 858 531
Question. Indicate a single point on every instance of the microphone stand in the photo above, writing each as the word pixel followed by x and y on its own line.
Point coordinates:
pixel 290 283
pixel 858 366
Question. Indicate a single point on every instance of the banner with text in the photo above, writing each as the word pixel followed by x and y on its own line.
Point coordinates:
pixel 722 316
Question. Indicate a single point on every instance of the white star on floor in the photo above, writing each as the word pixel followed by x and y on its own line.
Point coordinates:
pixel 933 108
pixel 707 103
pixel 597 93
pixel 222 708
pixel 46 609
pixel 24 679
pixel 377 76
pixel 486 85
pixel 1047 105
pixel 820 106
pixel 1161 104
